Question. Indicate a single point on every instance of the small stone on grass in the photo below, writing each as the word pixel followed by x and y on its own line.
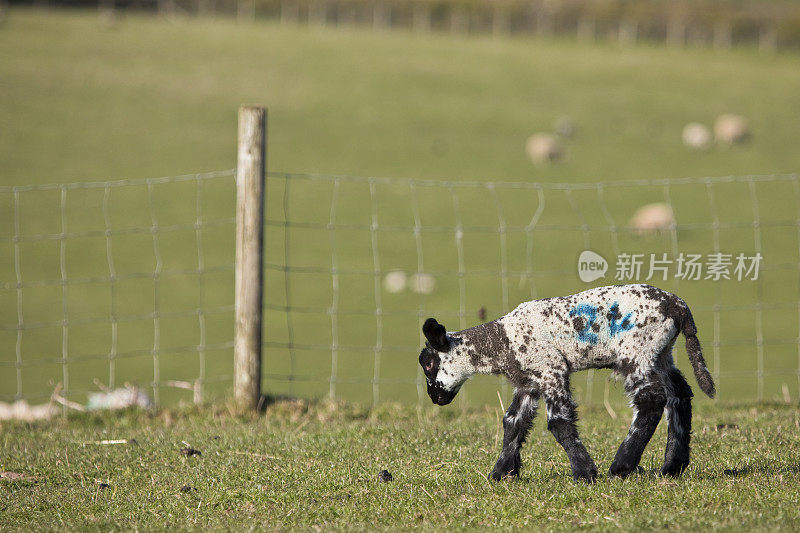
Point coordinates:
pixel 190 452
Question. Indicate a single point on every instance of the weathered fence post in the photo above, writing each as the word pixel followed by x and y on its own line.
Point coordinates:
pixel 586 28
pixel 676 32
pixel 628 31
pixel 381 16
pixel 250 182
pixel 318 12
pixel 459 20
pixel 206 8
pixel 290 12
pixel 723 34
pixel 501 20
pixel 421 18
pixel 246 10
pixel 768 37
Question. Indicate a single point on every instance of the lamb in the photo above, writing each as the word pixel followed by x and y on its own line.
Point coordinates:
pixel 630 329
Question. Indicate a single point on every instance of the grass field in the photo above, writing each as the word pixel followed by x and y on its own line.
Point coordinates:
pixel 84 101
pixel 148 98
pixel 315 466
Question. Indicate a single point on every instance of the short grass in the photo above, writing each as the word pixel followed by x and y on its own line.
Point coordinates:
pixel 144 97
pixel 315 466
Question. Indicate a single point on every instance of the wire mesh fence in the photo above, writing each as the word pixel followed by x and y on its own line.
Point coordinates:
pixel 132 281
pixel 355 265
pixel 118 281
pixel 771 25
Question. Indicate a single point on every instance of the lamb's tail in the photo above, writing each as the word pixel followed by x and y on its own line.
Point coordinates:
pixel 701 372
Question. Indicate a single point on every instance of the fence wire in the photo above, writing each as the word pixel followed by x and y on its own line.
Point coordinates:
pixel 118 310
pixel 116 282
pixel 484 247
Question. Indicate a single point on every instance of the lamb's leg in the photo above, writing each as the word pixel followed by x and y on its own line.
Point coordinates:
pixel 516 424
pixel 679 419
pixel 648 398
pixel 561 419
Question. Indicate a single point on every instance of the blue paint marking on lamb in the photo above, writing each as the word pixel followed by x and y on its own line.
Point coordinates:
pixel 617 323
pixel 589 314
pixel 541 343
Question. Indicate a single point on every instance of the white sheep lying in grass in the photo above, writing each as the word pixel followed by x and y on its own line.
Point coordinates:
pixel 630 329
pixel 652 218
pixel 731 129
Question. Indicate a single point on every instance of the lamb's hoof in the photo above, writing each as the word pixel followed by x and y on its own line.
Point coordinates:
pixel 506 467
pixel 589 475
pixel 674 470
pixel 624 471
pixel 499 475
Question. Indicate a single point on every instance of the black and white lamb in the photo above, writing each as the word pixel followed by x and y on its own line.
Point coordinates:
pixel 630 329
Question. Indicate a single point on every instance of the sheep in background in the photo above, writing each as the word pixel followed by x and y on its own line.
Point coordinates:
pixel 543 147
pixel 21 410
pixel 696 136
pixel 731 129
pixel 652 218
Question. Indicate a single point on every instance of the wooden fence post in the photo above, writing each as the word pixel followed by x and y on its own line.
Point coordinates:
pixel 586 29
pixel 501 21
pixel 290 12
pixel 768 37
pixel 421 18
pixel 381 16
pixel 250 182
pixel 723 34
pixel 246 10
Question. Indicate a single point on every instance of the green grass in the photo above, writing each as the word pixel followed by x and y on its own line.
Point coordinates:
pixel 148 97
pixel 315 466
pixel 80 100
pixel 145 98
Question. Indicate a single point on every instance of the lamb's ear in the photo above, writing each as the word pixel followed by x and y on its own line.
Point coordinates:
pixel 436 335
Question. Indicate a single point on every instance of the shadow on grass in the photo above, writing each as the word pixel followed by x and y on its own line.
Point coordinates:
pixel 283 406
pixel 735 472
pixel 744 471
pixel 280 406
pixel 268 400
pixel 738 472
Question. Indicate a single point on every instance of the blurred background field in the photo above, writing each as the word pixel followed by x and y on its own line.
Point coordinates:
pixel 85 100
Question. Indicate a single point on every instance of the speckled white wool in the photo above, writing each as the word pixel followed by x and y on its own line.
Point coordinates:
pixel 629 328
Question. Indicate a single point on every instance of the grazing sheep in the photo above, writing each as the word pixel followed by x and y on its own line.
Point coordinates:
pixel 630 329
pixel 652 218
pixel 731 129
pixel 696 136
pixel 422 283
pixel 543 147
pixel 395 281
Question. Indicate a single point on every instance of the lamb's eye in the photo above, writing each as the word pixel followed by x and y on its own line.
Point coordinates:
pixel 429 366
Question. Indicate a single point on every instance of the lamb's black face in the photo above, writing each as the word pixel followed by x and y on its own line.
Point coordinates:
pixel 429 361
pixel 442 387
